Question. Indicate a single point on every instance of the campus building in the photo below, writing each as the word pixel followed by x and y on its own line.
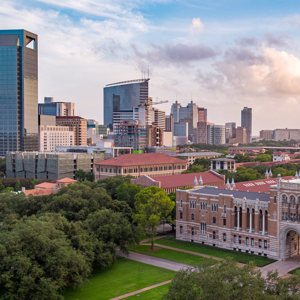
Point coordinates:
pixel 192 156
pixel 257 223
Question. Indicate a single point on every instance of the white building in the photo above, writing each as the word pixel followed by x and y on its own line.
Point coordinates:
pixel 280 156
pixel 52 136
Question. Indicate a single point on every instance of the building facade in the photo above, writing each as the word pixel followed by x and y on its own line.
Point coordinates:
pixel 192 156
pixel 230 129
pixel 51 108
pixel 280 156
pixel 266 135
pixel 222 164
pixel 155 136
pixel 216 134
pixel 150 164
pixel 246 116
pixel 159 118
pixel 257 223
pixel 52 136
pixel 169 123
pixel 240 136
pixel 76 124
pixel 18 91
pixel 286 134
pixel 181 129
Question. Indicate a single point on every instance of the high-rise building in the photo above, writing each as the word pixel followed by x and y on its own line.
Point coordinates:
pixel 159 118
pixel 76 124
pixel 230 130
pixel 18 91
pixel 202 114
pixel 124 99
pixel 169 123
pixel 181 129
pixel 200 135
pixel 155 136
pixel 241 136
pixel 265 134
pixel 247 122
pixel 215 134
pixel 56 108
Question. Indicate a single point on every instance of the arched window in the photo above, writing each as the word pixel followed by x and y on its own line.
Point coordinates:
pixel 292 200
pixel 259 243
pixel 247 241
pixel 181 203
pixel 224 237
pixel 265 244
pixel 283 216
pixel 284 199
pixel 192 230
pixel 252 242
pixel 240 239
pixel 181 229
pixel 234 238
pixel 214 235
pixel 193 217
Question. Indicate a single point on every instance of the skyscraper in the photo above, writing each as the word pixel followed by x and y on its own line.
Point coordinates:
pixel 247 122
pixel 58 109
pixel 18 91
pixel 215 134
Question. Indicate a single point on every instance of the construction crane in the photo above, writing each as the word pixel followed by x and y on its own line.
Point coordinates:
pixel 160 102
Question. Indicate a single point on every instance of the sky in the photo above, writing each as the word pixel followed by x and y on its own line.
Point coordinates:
pixel 223 54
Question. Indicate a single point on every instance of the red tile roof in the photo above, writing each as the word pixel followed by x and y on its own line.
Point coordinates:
pixel 187 179
pixel 38 192
pixel 45 185
pixel 260 185
pixel 268 164
pixel 279 153
pixel 66 180
pixel 140 159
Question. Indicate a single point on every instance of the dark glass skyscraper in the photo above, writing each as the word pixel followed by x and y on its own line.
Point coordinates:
pixel 247 122
pixel 123 97
pixel 18 91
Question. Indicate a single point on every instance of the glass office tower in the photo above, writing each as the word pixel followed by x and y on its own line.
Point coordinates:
pixel 18 91
pixel 123 97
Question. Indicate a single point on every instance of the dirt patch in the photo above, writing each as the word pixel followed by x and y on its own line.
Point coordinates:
pixel 154 249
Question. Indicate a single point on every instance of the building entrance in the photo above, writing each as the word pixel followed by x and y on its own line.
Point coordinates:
pixel 289 243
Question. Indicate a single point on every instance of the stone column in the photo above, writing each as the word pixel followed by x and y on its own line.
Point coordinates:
pixel 256 222
pixel 263 227
pixel 238 219
pixel 250 225
pixel 244 220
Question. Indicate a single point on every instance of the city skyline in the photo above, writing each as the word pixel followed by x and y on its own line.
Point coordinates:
pixel 224 55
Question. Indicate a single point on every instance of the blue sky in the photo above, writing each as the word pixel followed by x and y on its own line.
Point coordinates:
pixel 222 54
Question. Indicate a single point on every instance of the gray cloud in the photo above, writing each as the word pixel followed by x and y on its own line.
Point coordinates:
pixel 246 56
pixel 279 41
pixel 247 41
pixel 179 54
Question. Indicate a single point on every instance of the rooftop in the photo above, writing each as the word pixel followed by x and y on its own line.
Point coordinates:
pixel 140 159
pixel 38 192
pixel 44 185
pixel 236 194
pixel 66 180
pixel 198 154
pixel 69 117
pixel 280 153
pixel 223 159
pixel 187 179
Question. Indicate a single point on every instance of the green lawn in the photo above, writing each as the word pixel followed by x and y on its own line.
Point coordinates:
pixel 189 259
pixel 153 294
pixel 240 257
pixel 123 277
pixel 294 271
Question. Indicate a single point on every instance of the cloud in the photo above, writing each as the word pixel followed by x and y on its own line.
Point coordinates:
pixel 268 73
pixel 176 54
pixel 196 26
pixel 279 41
pixel 247 41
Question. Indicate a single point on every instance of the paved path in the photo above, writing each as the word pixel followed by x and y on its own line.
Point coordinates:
pixel 283 267
pixel 141 290
pixel 155 261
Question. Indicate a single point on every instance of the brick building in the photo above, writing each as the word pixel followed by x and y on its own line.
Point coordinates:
pixel 257 223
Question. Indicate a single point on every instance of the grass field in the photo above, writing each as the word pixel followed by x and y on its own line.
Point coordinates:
pixel 123 277
pixel 174 255
pixel 240 257
pixel 294 271
pixel 153 294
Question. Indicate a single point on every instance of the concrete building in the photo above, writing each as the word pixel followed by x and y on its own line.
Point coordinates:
pixel 181 129
pixel 246 116
pixel 164 150
pixel 155 136
pixel 265 135
pixel 192 156
pixel 130 134
pixel 257 223
pixel 76 124
pixel 49 165
pixel 18 91
pixel 201 135
pixel 216 134
pixel 280 156
pixel 286 134
pixel 150 164
pixel 169 123
pixel 230 130
pixel 180 140
pixel 159 118
pixel 222 164
pixel 51 108
pixel 241 136
pixel 173 182
pixel 52 136
pixel 168 139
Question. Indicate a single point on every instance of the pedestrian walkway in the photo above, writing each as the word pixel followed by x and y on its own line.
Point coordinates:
pixel 141 290
pixel 283 267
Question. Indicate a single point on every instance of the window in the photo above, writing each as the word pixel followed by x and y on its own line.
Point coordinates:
pixel 224 237
pixel 284 199
pixel 193 217
pixel 224 209
pixel 192 204
pixel 259 243
pixel 192 230
pixel 240 240
pixel 181 229
pixel 180 215
pixel 214 220
pixel 234 238
pixel 181 203
pixel 266 245
pixel 224 222
pixel 214 235
pixel 212 207
pixel 247 241
pixel 200 205
pixel 274 199
pixel 252 242
pixel 292 199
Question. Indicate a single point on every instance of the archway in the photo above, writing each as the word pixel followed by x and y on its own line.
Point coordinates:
pixel 289 242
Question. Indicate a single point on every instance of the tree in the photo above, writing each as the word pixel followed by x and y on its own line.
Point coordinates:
pixel 7 190
pixel 194 169
pixel 80 175
pixel 1 186
pixel 41 265
pixel 202 162
pixel 18 186
pixel 126 192
pixel 33 183
pixel 172 197
pixel 263 157
pixel 152 205
pixel 228 281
